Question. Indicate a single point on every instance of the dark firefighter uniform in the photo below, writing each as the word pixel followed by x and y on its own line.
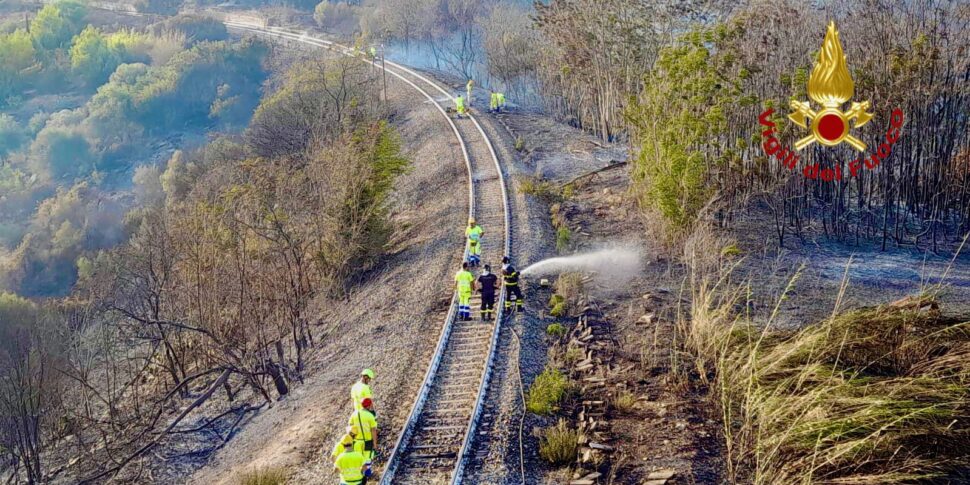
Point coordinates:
pixel 510 276
pixel 487 283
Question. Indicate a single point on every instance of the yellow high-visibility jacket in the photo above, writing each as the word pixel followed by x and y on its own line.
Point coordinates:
pixel 464 280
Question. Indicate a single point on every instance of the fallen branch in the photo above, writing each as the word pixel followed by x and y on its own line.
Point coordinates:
pixel 613 164
pixel 241 409
pixel 198 402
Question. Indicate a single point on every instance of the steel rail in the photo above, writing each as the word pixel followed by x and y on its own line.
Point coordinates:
pixel 416 409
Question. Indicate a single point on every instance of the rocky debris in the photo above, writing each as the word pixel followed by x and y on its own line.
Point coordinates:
pixel 593 337
pixel 588 479
pixel 659 477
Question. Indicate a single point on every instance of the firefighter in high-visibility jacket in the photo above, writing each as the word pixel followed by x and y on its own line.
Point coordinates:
pixel 468 89
pixel 460 106
pixel 500 99
pixel 463 282
pixel 474 233
pixel 493 101
pixel 350 463
pixel 510 278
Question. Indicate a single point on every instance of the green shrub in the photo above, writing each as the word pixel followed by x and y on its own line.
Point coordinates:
pixel 541 188
pixel 569 191
pixel 519 144
pixel 194 28
pixel 563 235
pixel 556 330
pixel 336 17
pixel 265 476
pixel 546 392
pixel 558 444
pixel 730 250
pixel 559 310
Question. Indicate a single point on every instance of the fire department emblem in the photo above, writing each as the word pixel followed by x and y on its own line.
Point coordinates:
pixel 830 85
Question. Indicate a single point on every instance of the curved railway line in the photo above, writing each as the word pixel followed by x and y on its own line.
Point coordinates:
pixel 435 442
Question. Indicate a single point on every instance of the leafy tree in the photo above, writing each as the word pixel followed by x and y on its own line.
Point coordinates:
pixel 16 55
pixel 195 28
pixel 339 18
pixel 148 185
pixel 93 58
pixel 175 179
pixel 56 24
pixel 677 116
pixel 316 101
pixel 12 135
pixel 61 154
pixel 183 91
pixel 64 226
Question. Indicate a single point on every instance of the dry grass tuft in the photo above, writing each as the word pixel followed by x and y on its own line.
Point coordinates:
pixel 265 476
pixel 570 287
pixel 545 190
pixel 625 401
pixel 873 395
pixel 558 444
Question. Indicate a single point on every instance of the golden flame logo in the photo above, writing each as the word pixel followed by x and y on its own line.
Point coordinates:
pixel 831 86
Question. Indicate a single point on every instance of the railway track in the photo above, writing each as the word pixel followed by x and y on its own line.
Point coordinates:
pixel 435 443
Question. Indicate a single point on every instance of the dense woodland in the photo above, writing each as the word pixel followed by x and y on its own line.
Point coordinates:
pixel 683 84
pixel 83 109
pixel 198 274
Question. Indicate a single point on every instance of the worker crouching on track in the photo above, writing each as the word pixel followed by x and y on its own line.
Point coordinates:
pixel 363 426
pixel 350 463
pixel 460 106
pixel 464 280
pixel 361 390
pixel 510 277
pixel 474 234
pixel 487 285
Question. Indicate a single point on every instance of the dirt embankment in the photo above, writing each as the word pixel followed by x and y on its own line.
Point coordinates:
pixel 389 323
